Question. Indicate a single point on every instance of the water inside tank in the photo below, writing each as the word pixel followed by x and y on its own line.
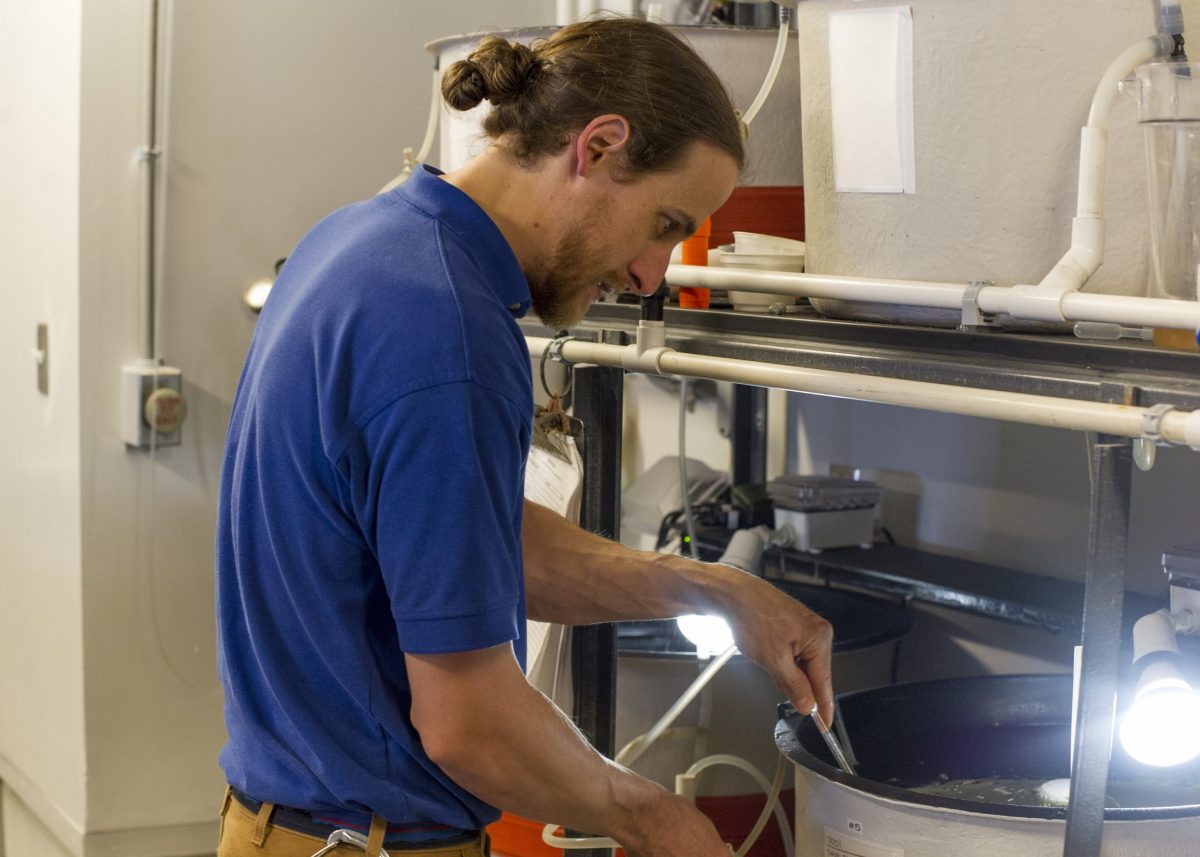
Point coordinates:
pixel 982 745
pixel 1125 793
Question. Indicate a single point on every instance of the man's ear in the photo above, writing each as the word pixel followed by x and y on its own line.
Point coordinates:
pixel 601 144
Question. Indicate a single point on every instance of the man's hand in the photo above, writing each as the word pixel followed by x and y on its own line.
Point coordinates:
pixel 677 829
pixel 785 638
pixel 492 733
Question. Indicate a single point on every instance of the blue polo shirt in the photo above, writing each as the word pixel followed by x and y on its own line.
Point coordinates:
pixel 371 502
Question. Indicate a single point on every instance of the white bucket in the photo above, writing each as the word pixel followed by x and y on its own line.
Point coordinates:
pixel 764 253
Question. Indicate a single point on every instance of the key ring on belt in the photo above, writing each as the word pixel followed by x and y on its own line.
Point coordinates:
pixel 342 836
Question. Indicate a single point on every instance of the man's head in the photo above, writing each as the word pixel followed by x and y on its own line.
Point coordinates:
pixel 632 140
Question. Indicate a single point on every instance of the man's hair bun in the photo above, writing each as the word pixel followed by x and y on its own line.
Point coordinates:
pixel 497 71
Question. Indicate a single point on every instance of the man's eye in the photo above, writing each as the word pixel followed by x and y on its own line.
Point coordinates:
pixel 670 225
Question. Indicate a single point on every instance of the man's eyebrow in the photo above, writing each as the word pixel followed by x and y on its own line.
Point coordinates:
pixel 688 224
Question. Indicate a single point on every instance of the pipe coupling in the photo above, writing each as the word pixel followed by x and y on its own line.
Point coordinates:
pixel 1152 420
pixel 644 360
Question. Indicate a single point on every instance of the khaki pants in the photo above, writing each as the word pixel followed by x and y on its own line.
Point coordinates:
pixel 245 834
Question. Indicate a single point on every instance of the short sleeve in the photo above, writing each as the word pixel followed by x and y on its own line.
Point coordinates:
pixel 436 485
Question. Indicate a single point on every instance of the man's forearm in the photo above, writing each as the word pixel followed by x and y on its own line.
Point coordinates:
pixel 576 578
pixel 504 742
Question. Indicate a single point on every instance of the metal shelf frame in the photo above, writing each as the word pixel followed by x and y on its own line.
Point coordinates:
pixel 1057 364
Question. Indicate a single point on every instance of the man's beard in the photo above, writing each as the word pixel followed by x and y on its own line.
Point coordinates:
pixel 558 290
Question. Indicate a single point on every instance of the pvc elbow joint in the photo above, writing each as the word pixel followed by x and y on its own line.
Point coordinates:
pixel 1154 634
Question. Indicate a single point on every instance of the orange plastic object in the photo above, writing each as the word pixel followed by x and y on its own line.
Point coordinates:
pixel 514 836
pixel 695 252
pixel 733 816
pixel 695 249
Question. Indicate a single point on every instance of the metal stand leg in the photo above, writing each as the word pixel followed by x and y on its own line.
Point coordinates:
pixel 598 403
pixel 749 439
pixel 1103 600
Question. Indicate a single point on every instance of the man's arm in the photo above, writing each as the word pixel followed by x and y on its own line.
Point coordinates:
pixel 496 736
pixel 574 577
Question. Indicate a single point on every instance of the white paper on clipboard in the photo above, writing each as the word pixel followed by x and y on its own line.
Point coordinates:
pixel 556 483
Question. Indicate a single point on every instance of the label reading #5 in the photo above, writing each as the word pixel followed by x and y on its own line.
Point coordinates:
pixel 838 844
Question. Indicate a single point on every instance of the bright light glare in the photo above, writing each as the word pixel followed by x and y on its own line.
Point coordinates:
pixel 256 293
pixel 710 634
pixel 1162 728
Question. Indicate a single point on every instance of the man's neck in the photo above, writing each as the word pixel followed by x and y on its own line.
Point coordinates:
pixel 518 200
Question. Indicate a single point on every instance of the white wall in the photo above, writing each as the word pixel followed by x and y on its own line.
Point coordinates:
pixel 279 112
pixel 41 650
pixel 1001 90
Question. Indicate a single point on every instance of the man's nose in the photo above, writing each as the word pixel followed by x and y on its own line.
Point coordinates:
pixel 650 268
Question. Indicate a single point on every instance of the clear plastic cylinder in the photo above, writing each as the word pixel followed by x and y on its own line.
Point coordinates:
pixel 1169 112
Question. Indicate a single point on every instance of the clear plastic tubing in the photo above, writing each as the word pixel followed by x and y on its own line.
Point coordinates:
pixel 785 21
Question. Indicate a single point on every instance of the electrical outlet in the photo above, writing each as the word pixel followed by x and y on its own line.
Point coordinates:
pixel 152 405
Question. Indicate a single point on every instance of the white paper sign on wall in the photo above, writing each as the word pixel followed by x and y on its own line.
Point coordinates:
pixel 871 93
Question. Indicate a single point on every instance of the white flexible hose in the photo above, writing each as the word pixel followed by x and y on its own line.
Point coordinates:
pixel 635 748
pixel 575 843
pixel 675 732
pixel 785 20
pixel 773 804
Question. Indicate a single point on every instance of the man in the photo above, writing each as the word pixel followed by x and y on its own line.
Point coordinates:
pixel 376 558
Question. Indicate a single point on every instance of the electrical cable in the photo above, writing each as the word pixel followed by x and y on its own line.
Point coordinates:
pixel 684 488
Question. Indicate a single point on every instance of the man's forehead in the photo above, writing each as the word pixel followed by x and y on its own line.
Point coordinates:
pixel 700 185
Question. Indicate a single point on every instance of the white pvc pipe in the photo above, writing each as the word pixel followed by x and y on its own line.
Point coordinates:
pixel 1086 252
pixel 1132 311
pixel 1055 298
pixel 908 292
pixel 1181 427
pixel 1077 306
pixel 1126 61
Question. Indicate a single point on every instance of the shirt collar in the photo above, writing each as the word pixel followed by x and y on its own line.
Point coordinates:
pixel 481 238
